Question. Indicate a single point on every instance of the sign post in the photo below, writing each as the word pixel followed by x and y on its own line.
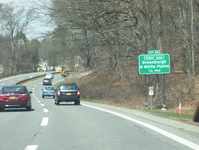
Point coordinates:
pixel 151 93
pixel 154 63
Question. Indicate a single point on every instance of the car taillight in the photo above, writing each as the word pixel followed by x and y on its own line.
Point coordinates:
pixel 58 93
pixel 3 96
pixel 23 96
pixel 78 92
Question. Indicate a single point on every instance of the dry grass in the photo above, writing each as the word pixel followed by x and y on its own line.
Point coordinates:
pixel 108 89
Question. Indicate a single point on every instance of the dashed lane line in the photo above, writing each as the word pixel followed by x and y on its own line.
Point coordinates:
pixel 45 110
pixel 44 121
pixel 31 147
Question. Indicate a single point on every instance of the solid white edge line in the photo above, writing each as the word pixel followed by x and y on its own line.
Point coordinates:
pixel 31 147
pixel 44 121
pixel 163 132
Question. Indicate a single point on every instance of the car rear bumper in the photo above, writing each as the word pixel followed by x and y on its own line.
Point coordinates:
pixel 49 94
pixel 17 103
pixel 14 106
pixel 68 98
pixel 47 83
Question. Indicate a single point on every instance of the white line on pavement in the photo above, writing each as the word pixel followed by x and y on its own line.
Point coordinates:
pixel 45 110
pixel 163 132
pixel 44 121
pixel 31 147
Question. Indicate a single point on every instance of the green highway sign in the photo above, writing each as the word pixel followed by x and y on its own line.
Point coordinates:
pixel 154 63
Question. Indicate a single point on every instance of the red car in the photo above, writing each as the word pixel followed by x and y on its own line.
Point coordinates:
pixel 15 96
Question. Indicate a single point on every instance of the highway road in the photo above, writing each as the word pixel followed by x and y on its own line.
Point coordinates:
pixel 16 78
pixel 88 126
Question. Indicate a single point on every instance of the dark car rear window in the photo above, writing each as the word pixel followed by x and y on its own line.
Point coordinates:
pixel 47 79
pixel 68 87
pixel 13 89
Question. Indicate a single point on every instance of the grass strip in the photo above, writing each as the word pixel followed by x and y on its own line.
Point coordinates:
pixel 162 113
pixel 166 113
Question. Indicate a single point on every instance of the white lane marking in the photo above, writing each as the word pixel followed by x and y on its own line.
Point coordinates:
pixel 44 121
pixel 163 132
pixel 45 110
pixel 42 105
pixel 31 147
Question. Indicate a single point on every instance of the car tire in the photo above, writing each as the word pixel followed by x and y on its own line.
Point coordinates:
pixel 1 108
pixel 77 102
pixel 42 96
pixel 57 102
pixel 28 108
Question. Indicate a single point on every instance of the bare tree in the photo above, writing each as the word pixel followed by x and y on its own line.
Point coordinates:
pixel 111 34
pixel 15 20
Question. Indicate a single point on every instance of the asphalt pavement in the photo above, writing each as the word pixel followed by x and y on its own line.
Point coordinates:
pixel 89 126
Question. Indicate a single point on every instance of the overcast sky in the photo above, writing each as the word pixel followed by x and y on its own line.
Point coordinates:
pixel 37 28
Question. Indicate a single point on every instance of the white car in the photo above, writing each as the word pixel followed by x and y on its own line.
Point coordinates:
pixel 49 76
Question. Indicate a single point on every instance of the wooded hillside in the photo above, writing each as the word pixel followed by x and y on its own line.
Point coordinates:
pixel 110 35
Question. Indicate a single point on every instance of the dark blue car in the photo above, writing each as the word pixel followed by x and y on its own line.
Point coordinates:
pixel 67 92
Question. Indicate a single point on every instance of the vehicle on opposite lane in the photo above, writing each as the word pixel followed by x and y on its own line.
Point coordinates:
pixel 67 92
pixel 15 96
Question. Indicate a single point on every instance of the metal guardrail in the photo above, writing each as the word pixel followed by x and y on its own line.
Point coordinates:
pixel 32 78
